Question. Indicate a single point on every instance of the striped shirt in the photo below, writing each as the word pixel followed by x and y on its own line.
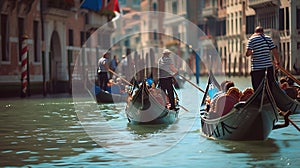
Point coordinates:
pixel 261 46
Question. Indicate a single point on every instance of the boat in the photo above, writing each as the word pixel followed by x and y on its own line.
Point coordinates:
pixel 283 101
pixel 248 120
pixel 106 97
pixel 143 107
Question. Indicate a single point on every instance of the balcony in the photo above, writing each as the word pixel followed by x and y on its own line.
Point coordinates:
pixel 61 8
pixel 210 12
pixel 262 3
pixel 94 20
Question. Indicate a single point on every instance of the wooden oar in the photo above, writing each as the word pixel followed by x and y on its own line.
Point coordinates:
pixel 120 77
pixel 291 121
pixel 289 75
pixel 185 109
pixel 192 83
pixel 294 124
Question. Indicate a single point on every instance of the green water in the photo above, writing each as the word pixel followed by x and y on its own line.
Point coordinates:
pixel 47 132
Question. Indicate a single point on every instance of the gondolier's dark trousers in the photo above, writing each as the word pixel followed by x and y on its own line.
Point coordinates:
pixel 166 84
pixel 103 79
pixel 258 76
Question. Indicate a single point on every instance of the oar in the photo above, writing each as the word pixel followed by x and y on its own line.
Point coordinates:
pixel 289 75
pixel 192 83
pixel 185 109
pixel 294 124
pixel 291 121
pixel 120 77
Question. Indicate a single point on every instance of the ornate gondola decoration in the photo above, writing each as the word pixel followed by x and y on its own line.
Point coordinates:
pixel 252 119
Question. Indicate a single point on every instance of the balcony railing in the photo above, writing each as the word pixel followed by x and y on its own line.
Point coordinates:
pixel 210 12
pixel 62 8
pixel 60 4
pixel 262 3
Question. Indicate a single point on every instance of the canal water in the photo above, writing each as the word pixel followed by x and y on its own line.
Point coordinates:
pixel 68 132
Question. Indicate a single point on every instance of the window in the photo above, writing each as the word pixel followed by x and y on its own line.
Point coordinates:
pixel 36 41
pixel 250 24
pixel 4 38
pixel 287 19
pixel 155 35
pixel 82 40
pixel 21 33
pixel 71 43
pixel 174 7
pixel 154 6
pixel 298 18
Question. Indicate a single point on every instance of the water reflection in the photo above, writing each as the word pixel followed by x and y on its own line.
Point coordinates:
pixel 256 151
pixel 145 131
pixel 35 131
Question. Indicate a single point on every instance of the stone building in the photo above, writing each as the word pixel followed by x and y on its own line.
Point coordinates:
pixel 57 30
pixel 229 23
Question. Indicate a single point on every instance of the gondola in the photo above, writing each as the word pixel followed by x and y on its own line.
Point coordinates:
pixel 252 119
pixel 106 97
pixel 283 101
pixel 144 108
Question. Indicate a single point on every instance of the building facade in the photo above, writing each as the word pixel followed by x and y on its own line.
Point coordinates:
pixel 57 32
pixel 229 23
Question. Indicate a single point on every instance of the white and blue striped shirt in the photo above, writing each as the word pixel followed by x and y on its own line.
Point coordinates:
pixel 261 46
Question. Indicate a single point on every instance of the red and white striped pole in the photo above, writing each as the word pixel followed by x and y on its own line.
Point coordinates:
pixel 24 77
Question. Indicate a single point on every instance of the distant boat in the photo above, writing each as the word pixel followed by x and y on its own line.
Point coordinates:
pixel 106 97
pixel 283 101
pixel 252 119
pixel 144 108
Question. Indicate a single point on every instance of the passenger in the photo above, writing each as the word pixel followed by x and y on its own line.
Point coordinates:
pixel 288 87
pixel 234 92
pixel 158 94
pixel 109 84
pixel 225 86
pixel 246 94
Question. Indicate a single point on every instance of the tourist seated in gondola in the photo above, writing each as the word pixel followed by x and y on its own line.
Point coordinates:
pixel 158 95
pixel 109 84
pixel 225 103
pixel 211 100
pixel 118 87
pixel 219 100
pixel 287 85
pixel 246 94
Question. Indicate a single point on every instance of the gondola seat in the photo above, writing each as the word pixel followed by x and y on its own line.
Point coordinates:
pixel 224 105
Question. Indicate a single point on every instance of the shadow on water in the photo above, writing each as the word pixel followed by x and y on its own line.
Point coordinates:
pixel 256 151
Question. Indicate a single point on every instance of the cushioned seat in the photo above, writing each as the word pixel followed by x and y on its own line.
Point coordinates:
pixel 224 104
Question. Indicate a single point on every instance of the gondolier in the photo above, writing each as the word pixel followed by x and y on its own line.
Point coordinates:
pixel 166 71
pixel 102 70
pixel 259 46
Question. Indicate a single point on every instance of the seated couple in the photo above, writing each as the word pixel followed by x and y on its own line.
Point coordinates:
pixel 224 100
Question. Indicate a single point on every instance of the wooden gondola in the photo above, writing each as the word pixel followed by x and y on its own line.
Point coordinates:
pixel 106 97
pixel 252 119
pixel 283 101
pixel 144 108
